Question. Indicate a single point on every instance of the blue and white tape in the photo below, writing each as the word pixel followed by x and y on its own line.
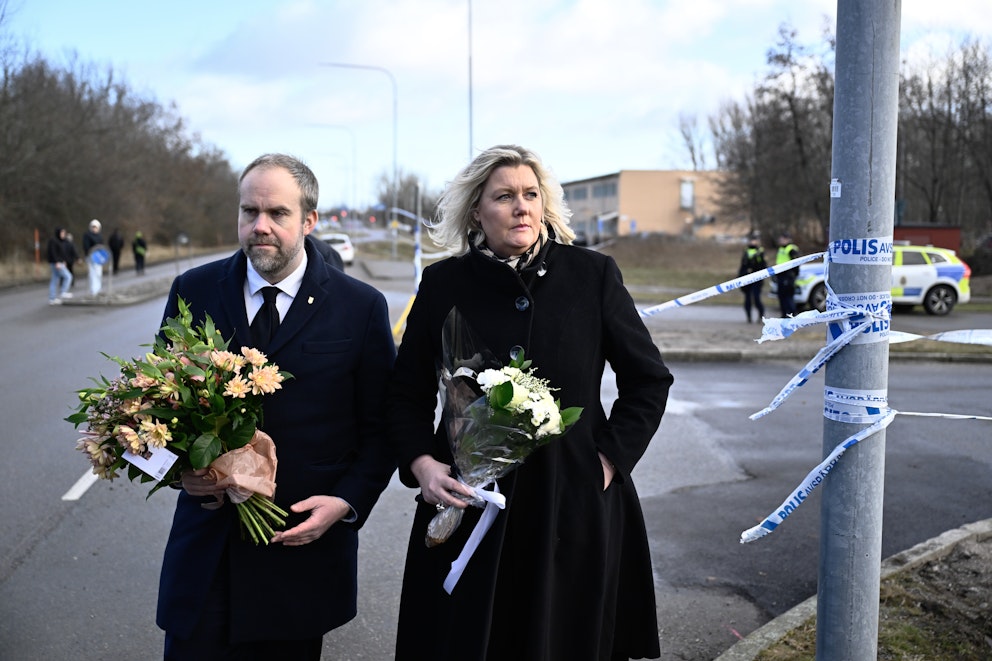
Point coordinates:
pixel 873 251
pixel 859 407
pixel 729 285
pixel 812 480
pixel 816 476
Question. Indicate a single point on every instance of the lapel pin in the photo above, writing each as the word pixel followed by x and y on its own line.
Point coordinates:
pixel 310 300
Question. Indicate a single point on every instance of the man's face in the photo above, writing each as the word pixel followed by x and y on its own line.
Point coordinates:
pixel 271 224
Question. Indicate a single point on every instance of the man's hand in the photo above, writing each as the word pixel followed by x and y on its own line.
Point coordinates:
pixel 196 483
pixel 325 511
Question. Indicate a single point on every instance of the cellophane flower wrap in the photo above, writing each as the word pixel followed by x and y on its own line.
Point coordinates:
pixel 496 415
pixel 187 404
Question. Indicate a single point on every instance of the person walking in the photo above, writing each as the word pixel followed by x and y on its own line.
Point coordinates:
pixel 223 597
pixel 96 255
pixel 116 245
pixel 565 571
pixel 140 248
pixel 785 282
pixel 752 261
pixel 60 273
pixel 71 257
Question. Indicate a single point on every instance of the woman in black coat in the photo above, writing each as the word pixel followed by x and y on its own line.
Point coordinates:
pixel 565 571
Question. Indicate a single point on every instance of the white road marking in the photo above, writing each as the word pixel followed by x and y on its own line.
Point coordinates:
pixel 80 487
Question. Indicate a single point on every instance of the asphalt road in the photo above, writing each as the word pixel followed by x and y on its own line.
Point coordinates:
pixel 78 579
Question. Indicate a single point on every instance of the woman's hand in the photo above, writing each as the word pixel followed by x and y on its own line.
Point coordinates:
pixel 609 470
pixel 436 483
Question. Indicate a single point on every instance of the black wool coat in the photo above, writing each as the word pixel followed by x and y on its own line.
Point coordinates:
pixel 329 433
pixel 565 571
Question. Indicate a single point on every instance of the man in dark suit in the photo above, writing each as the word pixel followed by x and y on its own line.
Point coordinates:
pixel 224 597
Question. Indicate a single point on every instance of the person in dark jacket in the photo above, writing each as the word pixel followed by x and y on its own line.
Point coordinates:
pixel 60 273
pixel 116 245
pixel 71 257
pixel 752 261
pixel 565 570
pixel 785 282
pixel 223 597
pixel 139 247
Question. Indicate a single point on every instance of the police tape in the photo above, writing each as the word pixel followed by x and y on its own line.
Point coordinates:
pixel 976 336
pixel 815 477
pixel 812 480
pixel 730 285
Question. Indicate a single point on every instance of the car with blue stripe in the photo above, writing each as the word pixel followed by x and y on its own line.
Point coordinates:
pixel 935 278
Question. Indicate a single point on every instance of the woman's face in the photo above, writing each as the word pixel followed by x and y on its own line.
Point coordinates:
pixel 510 210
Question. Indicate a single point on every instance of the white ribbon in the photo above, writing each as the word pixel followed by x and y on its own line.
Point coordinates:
pixel 495 501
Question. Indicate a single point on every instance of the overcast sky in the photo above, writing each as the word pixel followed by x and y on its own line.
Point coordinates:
pixel 594 86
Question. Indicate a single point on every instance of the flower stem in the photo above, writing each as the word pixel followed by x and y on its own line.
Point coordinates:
pixel 259 517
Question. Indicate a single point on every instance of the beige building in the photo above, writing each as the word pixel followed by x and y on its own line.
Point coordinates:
pixel 655 201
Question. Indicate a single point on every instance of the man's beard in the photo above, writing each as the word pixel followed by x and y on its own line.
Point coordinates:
pixel 272 263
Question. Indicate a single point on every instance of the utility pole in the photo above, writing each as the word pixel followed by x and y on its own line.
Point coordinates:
pixel 862 194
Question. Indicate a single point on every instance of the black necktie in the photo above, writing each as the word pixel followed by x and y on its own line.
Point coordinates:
pixel 266 321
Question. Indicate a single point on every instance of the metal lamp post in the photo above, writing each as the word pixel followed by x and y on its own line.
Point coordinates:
pixel 392 79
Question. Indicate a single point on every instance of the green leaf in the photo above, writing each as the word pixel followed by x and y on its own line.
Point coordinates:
pixel 570 416
pixel 204 450
pixel 77 418
pixel 501 395
pixel 240 436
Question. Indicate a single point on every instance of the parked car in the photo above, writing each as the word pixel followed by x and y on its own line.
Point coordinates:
pixel 341 243
pixel 935 278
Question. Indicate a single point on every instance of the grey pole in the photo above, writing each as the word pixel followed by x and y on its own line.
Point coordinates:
pixel 862 202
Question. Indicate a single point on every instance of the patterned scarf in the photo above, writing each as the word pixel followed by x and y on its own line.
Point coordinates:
pixel 516 262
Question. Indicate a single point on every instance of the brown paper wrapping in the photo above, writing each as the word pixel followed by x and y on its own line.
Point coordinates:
pixel 248 469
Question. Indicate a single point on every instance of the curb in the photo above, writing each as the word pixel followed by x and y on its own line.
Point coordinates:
pixel 126 296
pixel 932 549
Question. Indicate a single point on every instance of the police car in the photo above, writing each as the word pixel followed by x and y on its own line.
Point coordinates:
pixel 935 278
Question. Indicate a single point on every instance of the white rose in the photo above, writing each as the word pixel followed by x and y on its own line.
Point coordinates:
pixel 489 378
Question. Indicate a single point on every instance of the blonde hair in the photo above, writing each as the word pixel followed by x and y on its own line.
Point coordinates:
pixel 454 224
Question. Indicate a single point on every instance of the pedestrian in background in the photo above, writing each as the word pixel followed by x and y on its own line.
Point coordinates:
pixel 60 274
pixel 96 255
pixel 71 257
pixel 116 245
pixel 752 261
pixel 140 249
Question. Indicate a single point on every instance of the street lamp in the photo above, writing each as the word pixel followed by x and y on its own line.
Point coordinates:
pixel 392 79
pixel 354 157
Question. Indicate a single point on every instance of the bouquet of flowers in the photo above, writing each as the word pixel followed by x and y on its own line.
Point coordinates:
pixel 188 404
pixel 496 415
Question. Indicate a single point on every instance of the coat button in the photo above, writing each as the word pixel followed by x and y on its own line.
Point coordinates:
pixel 522 303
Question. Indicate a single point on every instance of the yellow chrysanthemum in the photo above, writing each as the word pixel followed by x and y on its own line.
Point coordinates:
pixel 155 434
pixel 129 438
pixel 265 380
pixel 254 356
pixel 227 360
pixel 237 388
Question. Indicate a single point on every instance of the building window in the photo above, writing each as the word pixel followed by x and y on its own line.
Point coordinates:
pixel 605 189
pixel 577 193
pixel 687 195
